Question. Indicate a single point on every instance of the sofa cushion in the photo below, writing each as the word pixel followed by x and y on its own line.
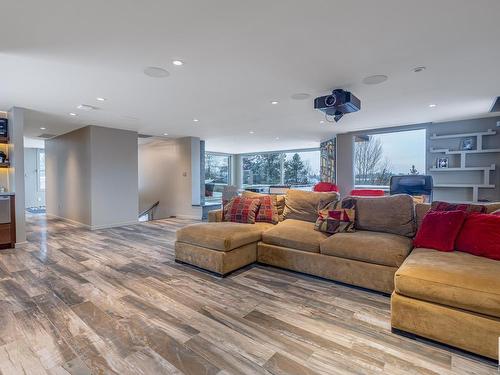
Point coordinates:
pixel 224 236
pixel 303 205
pixel 372 247
pixel 295 234
pixel 454 279
pixel 391 214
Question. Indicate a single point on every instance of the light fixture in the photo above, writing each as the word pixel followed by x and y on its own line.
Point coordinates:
pixel 42 128
pixel 375 79
pixel 322 122
pixel 418 69
pixel 178 62
pixel 277 138
pixel 156 72
pixel 274 102
pixel 100 99
pixel 251 132
pixel 73 114
pixel 165 133
pixel 432 105
pixel 87 107
pixel 195 120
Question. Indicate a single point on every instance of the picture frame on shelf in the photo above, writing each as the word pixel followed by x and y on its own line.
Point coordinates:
pixel 467 144
pixel 442 162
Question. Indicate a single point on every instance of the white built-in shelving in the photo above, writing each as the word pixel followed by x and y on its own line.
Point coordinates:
pixel 463 165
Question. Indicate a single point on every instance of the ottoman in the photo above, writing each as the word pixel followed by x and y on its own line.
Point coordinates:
pixel 219 247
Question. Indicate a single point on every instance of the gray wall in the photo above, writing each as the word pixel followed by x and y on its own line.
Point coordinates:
pixel 68 174
pixel 345 143
pixel 114 179
pixel 16 172
pixel 92 177
pixel 166 174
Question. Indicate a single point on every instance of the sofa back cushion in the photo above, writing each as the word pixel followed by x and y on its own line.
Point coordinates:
pixel 391 214
pixel 303 205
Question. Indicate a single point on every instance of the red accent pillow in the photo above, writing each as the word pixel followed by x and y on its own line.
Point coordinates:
pixel 439 229
pixel 325 187
pixel 267 212
pixel 480 235
pixel 445 206
pixel 241 210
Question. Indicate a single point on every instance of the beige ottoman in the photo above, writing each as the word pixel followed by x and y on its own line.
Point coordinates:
pixel 219 247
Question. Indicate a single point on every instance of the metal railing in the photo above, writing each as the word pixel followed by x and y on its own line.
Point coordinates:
pixel 149 212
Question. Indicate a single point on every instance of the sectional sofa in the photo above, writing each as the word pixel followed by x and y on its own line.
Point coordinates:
pixel 453 298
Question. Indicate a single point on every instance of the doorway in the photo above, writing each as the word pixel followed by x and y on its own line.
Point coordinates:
pixel 34 179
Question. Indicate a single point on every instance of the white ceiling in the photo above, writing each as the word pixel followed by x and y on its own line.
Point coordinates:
pixel 239 56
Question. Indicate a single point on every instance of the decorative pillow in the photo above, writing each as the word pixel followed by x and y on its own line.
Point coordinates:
pixel 445 206
pixel 303 205
pixel 241 210
pixel 439 230
pixel 390 214
pixel 337 217
pixel 277 200
pixel 480 235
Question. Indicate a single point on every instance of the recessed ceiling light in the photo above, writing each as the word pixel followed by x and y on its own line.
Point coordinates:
pixel 375 79
pixel 195 120
pixel 87 107
pixel 274 102
pixel 178 62
pixel 322 122
pixel 251 132
pixel 42 128
pixel 432 105
pixel 73 114
pixel 419 69
pixel 99 99
pixel 277 138
pixel 300 96
pixel 165 133
pixel 156 72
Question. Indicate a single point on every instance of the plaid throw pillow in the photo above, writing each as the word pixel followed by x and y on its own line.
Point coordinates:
pixel 241 210
pixel 336 217
pixel 267 212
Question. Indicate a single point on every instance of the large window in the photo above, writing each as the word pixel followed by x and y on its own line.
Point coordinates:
pixel 377 157
pixel 300 169
pixel 217 174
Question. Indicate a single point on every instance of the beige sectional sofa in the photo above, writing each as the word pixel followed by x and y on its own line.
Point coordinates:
pixel 452 298
pixel 367 258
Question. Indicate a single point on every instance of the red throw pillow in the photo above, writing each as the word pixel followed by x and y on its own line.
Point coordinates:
pixel 439 229
pixel 480 235
pixel 241 210
pixel 267 212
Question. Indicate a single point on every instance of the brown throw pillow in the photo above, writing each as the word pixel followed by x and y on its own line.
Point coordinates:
pixel 337 217
pixel 303 205
pixel 241 210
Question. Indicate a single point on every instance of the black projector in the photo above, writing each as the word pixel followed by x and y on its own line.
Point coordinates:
pixel 338 103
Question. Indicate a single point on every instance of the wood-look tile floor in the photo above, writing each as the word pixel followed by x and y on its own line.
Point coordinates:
pixel 114 302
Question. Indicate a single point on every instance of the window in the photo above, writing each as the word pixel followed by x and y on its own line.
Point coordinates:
pixel 377 157
pixel 298 169
pixel 41 169
pixel 217 167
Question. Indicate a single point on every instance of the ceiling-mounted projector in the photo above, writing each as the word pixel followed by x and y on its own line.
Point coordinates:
pixel 337 104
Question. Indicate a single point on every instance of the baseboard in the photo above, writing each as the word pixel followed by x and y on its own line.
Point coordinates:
pixel 107 226
pixel 93 227
pixel 74 222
